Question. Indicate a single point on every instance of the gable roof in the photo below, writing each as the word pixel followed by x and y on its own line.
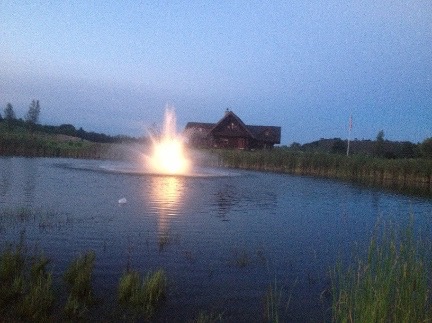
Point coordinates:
pixel 271 134
pixel 231 115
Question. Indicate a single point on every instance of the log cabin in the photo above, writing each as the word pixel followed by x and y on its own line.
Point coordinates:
pixel 231 133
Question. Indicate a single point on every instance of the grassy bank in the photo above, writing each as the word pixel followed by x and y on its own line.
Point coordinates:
pixel 42 145
pixel 29 293
pixel 390 284
pixel 38 145
pixel 403 174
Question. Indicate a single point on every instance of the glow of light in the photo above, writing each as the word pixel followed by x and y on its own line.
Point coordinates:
pixel 168 152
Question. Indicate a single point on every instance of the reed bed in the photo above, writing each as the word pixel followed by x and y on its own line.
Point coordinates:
pixel 390 284
pixel 413 175
pixel 78 278
pixel 25 295
pixel 142 296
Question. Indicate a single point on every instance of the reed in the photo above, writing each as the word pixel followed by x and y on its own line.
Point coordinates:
pixel 272 303
pixel 78 277
pixel 401 174
pixel 12 282
pixel 142 296
pixel 24 295
pixel 129 289
pixel 390 284
pixel 276 302
pixel 38 301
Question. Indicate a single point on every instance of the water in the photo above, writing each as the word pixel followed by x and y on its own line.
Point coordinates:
pixel 222 236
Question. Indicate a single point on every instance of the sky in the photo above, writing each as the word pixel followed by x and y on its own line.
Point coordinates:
pixel 306 66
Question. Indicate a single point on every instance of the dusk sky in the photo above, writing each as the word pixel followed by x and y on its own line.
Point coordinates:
pixel 113 66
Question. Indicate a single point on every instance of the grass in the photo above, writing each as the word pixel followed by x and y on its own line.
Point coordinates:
pixel 389 284
pixel 272 303
pixel 142 296
pixel 39 299
pixel 275 303
pixel 11 279
pixel 25 295
pixel 78 277
pixel 410 175
pixel 20 142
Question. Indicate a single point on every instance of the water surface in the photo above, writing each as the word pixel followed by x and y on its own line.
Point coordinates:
pixel 222 236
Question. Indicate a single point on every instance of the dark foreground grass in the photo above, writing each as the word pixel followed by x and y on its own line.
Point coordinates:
pixel 390 284
pixel 24 294
pixel 78 278
pixel 142 296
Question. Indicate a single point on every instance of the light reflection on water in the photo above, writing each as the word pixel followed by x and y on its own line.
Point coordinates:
pixel 166 193
pixel 281 227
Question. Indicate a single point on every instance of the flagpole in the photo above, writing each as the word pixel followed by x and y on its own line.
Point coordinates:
pixel 349 134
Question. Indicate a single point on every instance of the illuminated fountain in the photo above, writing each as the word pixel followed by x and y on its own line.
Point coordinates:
pixel 168 156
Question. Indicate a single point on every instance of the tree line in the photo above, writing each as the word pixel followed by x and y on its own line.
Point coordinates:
pixel 380 147
pixel 31 123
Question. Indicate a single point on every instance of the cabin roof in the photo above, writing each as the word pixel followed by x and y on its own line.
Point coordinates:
pixel 266 133
pixel 231 115
pixel 263 133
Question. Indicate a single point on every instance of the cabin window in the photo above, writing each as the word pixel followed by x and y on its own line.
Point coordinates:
pixel 232 126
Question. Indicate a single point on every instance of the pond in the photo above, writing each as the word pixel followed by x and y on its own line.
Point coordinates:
pixel 223 237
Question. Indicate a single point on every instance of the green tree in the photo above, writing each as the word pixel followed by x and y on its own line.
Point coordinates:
pixel 295 146
pixel 426 148
pixel 32 116
pixel 339 146
pixel 379 144
pixel 9 116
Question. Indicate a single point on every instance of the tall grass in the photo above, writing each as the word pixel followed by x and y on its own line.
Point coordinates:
pixel 78 277
pixel 405 174
pixel 11 279
pixel 276 302
pixel 272 303
pixel 39 299
pixel 390 284
pixel 142 296
pixel 24 295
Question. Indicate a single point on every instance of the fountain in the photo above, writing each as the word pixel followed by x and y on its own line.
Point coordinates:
pixel 168 156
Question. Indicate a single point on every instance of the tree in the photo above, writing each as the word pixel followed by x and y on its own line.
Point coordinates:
pixel 67 129
pixel 426 148
pixel 295 146
pixel 339 146
pixel 9 116
pixel 379 144
pixel 32 116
